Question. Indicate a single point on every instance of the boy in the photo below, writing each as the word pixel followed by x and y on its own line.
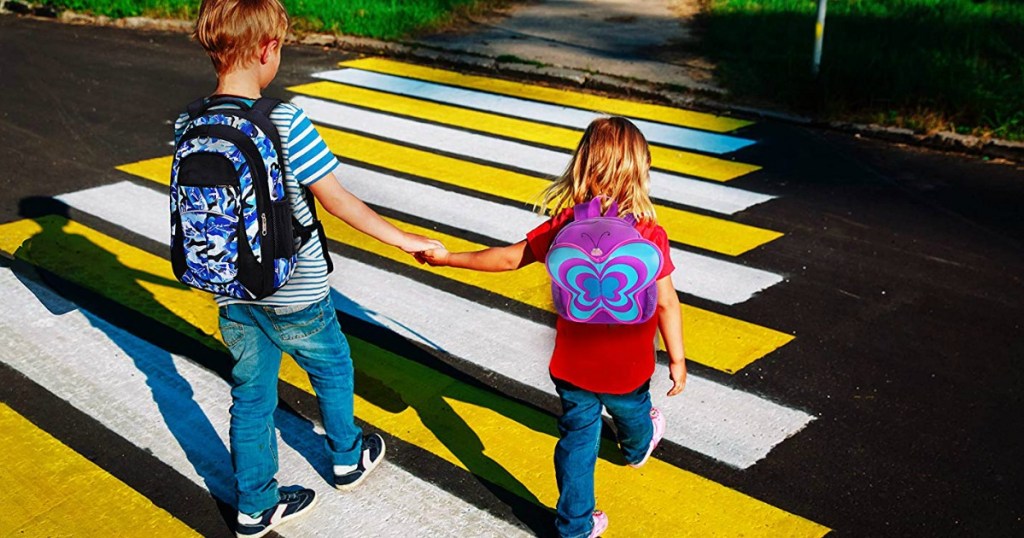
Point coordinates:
pixel 243 39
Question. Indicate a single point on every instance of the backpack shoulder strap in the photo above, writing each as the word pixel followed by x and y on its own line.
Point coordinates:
pixel 259 114
pixel 264 106
pixel 195 108
pixel 587 210
pixel 591 209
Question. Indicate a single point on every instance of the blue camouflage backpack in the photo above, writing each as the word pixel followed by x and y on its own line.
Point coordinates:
pixel 232 229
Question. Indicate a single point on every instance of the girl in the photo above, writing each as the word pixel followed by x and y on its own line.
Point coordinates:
pixel 595 365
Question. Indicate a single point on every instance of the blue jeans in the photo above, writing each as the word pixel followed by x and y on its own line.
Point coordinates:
pixel 256 336
pixel 576 451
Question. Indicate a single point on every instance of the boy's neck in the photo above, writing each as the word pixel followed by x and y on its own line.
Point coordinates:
pixel 240 82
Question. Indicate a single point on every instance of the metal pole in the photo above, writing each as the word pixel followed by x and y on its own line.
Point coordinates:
pixel 819 35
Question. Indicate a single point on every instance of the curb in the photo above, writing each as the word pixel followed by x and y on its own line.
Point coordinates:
pixel 700 97
pixel 694 95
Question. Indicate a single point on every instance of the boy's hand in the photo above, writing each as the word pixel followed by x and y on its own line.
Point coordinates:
pixel 414 243
pixel 435 257
pixel 677 372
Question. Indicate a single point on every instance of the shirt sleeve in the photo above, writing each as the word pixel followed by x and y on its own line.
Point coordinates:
pixel 659 237
pixel 539 239
pixel 308 155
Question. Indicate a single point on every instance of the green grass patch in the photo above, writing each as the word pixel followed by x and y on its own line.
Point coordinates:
pixel 924 64
pixel 383 19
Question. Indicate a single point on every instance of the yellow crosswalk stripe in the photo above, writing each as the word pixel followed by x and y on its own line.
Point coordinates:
pixel 664 158
pixel 709 233
pixel 575 99
pixel 718 341
pixel 51 490
pixel 467 426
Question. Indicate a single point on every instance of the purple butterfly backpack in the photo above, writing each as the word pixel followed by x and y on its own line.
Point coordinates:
pixel 602 270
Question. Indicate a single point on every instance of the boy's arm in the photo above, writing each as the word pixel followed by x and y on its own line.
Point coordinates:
pixel 341 203
pixel 670 324
pixel 492 259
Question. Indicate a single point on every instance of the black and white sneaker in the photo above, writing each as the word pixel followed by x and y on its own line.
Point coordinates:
pixel 347 479
pixel 294 501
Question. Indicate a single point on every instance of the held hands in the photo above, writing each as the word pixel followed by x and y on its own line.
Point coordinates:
pixel 414 244
pixel 434 257
pixel 425 249
pixel 677 372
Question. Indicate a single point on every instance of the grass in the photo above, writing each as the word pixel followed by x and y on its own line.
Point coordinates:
pixel 923 64
pixel 382 19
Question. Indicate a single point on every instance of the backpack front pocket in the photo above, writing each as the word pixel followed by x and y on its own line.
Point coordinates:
pixel 210 229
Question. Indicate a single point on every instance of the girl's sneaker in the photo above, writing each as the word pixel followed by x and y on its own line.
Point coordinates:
pixel 294 501
pixel 600 524
pixel 659 431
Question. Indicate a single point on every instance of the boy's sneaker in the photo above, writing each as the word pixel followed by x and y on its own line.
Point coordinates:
pixel 659 431
pixel 373 454
pixel 294 501
pixel 600 524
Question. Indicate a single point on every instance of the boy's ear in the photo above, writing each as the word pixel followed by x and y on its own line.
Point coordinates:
pixel 267 49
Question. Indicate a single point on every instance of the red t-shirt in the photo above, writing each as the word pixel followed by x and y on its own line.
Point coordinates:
pixel 604 358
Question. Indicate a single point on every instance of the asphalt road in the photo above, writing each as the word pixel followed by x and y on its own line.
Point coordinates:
pixel 902 287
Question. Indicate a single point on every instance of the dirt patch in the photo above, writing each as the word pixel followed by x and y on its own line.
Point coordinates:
pixel 686 9
pixel 468 19
pixel 682 51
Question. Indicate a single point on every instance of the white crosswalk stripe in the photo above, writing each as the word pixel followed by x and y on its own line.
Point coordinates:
pixel 696 274
pixel 728 425
pixel 177 410
pixel 659 133
pixel 665 186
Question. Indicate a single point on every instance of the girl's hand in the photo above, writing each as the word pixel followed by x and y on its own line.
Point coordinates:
pixel 413 243
pixel 434 257
pixel 677 372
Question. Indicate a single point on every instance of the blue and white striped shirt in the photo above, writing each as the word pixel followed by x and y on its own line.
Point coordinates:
pixel 307 159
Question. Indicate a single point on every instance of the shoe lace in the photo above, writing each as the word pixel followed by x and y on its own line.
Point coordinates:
pixel 288 496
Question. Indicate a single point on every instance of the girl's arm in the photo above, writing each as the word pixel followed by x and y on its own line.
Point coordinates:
pixel 341 203
pixel 491 259
pixel 670 324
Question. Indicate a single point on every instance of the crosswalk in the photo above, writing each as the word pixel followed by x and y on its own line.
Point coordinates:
pixel 462 166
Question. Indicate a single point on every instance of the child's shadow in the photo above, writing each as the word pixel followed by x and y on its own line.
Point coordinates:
pixel 90 266
pixel 91 277
pixel 429 395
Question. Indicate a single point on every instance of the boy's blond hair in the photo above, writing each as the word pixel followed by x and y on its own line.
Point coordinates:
pixel 612 160
pixel 232 31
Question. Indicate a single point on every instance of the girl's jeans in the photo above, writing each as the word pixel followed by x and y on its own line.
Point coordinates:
pixel 576 451
pixel 256 336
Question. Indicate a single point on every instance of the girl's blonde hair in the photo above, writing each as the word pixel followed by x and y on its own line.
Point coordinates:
pixel 232 31
pixel 612 160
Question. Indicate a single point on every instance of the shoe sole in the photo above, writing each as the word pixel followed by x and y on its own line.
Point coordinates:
pixel 373 465
pixel 296 515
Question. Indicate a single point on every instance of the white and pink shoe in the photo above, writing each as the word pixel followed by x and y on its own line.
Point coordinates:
pixel 658 420
pixel 600 524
